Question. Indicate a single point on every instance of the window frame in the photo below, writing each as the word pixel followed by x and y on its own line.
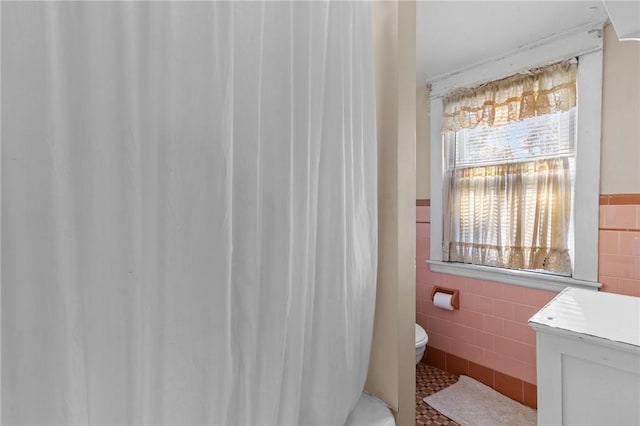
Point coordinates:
pixel 586 44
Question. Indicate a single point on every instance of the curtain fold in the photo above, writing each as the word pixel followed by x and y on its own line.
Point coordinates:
pixel 189 212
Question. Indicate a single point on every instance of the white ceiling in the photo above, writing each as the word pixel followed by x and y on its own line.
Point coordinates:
pixel 454 35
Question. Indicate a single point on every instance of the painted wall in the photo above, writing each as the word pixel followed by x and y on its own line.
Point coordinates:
pixel 620 154
pixel 391 374
pixel 488 338
pixel 423 152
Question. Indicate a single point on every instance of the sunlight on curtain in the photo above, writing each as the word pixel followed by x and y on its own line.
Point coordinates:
pixel 189 212
pixel 509 148
pixel 519 213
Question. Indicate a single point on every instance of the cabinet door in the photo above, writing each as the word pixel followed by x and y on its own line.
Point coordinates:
pixel 584 383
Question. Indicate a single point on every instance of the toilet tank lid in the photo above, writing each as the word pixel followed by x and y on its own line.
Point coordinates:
pixel 420 334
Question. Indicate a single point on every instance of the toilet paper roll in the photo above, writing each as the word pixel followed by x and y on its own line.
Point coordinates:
pixel 443 300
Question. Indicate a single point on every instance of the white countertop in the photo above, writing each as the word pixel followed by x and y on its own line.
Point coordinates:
pixel 607 317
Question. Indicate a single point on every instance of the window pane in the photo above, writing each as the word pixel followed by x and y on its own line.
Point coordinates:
pixel 546 136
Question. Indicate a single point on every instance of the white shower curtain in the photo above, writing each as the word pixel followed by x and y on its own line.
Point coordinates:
pixel 188 212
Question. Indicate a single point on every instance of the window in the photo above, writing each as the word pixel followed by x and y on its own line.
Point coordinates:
pixel 509 156
pixel 571 162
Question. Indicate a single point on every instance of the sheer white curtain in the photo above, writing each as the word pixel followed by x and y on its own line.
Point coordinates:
pixel 188 212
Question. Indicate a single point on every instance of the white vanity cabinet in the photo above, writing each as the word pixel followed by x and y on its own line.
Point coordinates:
pixel 588 359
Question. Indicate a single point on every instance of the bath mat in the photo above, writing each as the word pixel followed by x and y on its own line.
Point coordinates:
pixel 470 403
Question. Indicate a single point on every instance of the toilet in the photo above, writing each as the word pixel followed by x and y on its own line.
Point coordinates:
pixel 421 342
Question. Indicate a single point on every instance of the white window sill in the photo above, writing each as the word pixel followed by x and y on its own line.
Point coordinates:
pixel 508 276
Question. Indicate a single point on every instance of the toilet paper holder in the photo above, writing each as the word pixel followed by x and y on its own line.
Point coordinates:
pixel 455 295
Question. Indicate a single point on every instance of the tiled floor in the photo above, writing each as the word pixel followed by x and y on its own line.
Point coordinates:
pixel 430 380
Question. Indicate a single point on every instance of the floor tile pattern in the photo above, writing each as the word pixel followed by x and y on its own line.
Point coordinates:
pixel 430 380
